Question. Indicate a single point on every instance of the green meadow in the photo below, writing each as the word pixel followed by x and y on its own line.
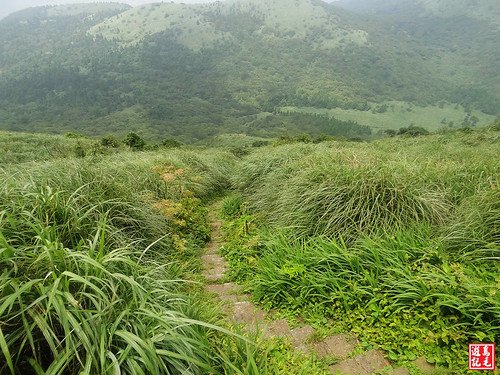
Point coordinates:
pixel 395 115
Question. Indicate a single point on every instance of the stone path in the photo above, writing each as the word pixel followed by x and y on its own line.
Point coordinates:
pixel 239 309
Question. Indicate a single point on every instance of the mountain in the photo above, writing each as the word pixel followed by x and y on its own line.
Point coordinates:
pixel 192 71
pixel 485 10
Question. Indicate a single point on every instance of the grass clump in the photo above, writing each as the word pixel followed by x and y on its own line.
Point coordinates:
pixel 475 231
pixel 92 272
pixel 345 190
pixel 396 241
pixel 344 202
pixel 232 206
pixel 73 300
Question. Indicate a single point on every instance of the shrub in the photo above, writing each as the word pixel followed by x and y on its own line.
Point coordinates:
pixel 134 141
pixel 74 135
pixel 413 131
pixel 110 141
pixel 171 143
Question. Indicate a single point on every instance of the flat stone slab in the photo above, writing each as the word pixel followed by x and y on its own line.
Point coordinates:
pixel 214 267
pixel 212 261
pixel 364 364
pixel 214 277
pixel 300 336
pixel 424 366
pixel 227 292
pixel 212 248
pixel 339 346
pixel 247 313
pixel 277 328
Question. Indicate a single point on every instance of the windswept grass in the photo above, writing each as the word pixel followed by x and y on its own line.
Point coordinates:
pixel 475 231
pixel 343 190
pixel 23 147
pixel 396 240
pixel 92 272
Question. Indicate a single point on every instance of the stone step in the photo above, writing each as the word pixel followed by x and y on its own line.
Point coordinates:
pixel 339 346
pixel 214 277
pixel 214 267
pixel 227 292
pixel 212 261
pixel 212 249
pixel 364 364
pixel 300 337
pixel 425 367
pixel 277 328
pixel 247 313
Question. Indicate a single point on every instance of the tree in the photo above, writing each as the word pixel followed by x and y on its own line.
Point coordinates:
pixel 413 131
pixel 390 132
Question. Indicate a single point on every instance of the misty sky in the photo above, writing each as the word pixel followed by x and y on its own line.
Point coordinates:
pixel 9 6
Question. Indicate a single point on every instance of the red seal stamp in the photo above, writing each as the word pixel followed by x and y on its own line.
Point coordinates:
pixel 482 356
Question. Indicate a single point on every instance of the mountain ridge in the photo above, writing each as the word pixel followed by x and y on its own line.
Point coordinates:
pixel 198 70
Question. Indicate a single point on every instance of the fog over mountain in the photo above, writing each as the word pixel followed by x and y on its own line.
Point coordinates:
pixel 9 6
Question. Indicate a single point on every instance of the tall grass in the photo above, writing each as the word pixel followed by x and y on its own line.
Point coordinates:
pixel 397 240
pixel 24 147
pixel 343 190
pixel 475 231
pixel 94 310
pixel 91 278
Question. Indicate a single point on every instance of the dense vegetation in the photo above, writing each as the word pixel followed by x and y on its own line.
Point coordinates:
pixel 99 257
pixel 349 148
pixel 92 270
pixel 192 72
pixel 396 240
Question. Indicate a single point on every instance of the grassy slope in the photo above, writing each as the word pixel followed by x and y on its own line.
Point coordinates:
pixel 186 22
pixel 299 20
pixel 120 237
pixel 26 147
pixel 76 9
pixel 401 114
pixel 266 55
pixel 396 240
pixel 419 215
pixel 193 27
pixel 486 9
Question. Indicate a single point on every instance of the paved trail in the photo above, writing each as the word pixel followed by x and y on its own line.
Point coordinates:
pixel 240 310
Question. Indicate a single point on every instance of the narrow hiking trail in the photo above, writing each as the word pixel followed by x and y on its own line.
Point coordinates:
pixel 240 310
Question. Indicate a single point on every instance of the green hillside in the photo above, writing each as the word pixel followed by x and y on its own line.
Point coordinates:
pixel 488 10
pixel 195 71
pixel 186 22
